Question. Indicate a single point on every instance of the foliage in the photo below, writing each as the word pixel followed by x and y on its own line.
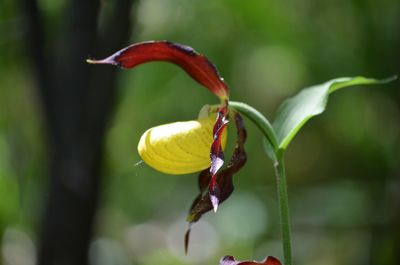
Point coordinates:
pixel 266 51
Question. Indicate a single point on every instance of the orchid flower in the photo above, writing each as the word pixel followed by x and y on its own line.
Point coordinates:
pixel 187 147
pixel 190 146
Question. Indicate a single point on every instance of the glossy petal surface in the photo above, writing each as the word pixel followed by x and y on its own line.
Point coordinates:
pixel 179 147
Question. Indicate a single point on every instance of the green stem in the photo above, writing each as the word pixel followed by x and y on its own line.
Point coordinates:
pixel 283 209
pixel 259 120
pixel 268 131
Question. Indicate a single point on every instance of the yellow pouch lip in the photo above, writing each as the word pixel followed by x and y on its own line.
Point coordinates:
pixel 180 147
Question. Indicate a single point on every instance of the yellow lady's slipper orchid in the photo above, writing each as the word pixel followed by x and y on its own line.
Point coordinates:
pixel 179 147
pixel 190 146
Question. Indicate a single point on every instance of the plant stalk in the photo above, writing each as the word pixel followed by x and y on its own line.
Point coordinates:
pixel 283 210
pixel 269 133
pixel 258 119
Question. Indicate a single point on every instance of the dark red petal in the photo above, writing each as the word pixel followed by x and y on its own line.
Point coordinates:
pixel 229 260
pixel 195 64
pixel 217 155
pixel 223 180
pixel 238 159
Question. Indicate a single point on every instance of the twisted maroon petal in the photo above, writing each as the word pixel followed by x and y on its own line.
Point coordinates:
pixel 229 260
pixel 195 64
pixel 223 180
pixel 217 155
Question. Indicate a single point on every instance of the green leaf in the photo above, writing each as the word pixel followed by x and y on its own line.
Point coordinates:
pixel 294 112
pixel 269 150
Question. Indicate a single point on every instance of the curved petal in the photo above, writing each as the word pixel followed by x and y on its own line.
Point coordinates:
pixel 195 64
pixel 179 147
pixel 216 153
pixel 223 186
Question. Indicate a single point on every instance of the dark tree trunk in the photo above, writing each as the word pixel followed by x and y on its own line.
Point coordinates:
pixel 77 102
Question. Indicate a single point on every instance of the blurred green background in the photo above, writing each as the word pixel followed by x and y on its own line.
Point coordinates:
pixel 343 167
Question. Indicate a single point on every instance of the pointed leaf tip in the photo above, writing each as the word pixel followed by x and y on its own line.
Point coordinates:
pixel 294 112
pixel 389 79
